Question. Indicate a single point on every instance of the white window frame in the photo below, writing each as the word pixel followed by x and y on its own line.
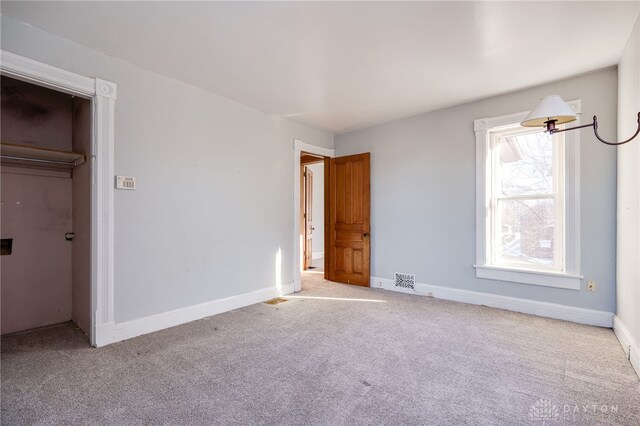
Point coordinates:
pixel 570 277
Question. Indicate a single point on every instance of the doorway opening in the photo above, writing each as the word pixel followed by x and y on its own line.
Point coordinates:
pixel 46 213
pixel 312 214
pixel 346 225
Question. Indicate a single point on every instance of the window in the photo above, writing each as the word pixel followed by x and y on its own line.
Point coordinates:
pixel 526 227
pixel 527 206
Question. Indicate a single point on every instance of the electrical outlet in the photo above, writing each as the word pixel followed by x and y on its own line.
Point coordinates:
pixel 591 286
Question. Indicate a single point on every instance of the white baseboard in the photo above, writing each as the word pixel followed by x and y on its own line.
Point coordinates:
pixel 634 358
pixel 104 334
pixel 387 284
pixel 286 289
pixel 533 307
pixel 629 344
pixel 317 255
pixel 623 335
pixel 140 326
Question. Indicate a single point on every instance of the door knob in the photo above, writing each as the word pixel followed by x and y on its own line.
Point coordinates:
pixel 366 234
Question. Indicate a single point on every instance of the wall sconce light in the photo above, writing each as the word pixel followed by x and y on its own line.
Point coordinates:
pixel 553 110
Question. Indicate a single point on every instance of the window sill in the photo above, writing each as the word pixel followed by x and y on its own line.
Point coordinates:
pixel 523 276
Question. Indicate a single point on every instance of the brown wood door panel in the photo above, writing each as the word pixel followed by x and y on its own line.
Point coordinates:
pixel 349 203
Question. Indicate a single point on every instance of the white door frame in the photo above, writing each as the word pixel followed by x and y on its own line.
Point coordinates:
pixel 298 148
pixel 103 96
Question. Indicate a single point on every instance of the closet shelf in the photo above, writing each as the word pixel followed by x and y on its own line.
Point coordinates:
pixel 24 155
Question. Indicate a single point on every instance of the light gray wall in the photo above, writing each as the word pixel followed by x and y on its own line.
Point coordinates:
pixel 628 290
pixel 423 192
pixel 318 206
pixel 215 182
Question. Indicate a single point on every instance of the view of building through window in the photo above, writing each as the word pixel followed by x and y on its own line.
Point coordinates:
pixel 527 215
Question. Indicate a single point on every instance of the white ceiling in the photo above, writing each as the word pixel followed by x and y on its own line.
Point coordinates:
pixel 343 66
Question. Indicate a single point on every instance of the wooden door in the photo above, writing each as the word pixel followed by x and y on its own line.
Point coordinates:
pixel 308 217
pixel 349 205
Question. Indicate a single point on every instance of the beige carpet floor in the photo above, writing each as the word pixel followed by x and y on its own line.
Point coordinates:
pixel 332 355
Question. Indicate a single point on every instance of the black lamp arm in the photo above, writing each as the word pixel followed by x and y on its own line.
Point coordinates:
pixel 595 131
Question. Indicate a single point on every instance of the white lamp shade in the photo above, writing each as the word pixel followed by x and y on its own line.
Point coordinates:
pixel 550 108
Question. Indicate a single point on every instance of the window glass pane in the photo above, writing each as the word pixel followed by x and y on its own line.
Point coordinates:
pixel 525 232
pixel 525 164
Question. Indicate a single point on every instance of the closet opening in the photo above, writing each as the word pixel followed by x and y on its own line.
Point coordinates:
pixel 46 181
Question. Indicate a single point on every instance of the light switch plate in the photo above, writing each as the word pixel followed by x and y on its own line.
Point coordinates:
pixel 125 182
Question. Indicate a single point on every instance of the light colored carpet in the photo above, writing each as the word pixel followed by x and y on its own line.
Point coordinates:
pixel 315 360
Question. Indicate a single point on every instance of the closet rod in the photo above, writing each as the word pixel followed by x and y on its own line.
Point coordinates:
pixel 37 160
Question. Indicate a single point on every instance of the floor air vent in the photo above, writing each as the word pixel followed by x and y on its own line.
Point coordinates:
pixel 406 281
pixel 275 301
